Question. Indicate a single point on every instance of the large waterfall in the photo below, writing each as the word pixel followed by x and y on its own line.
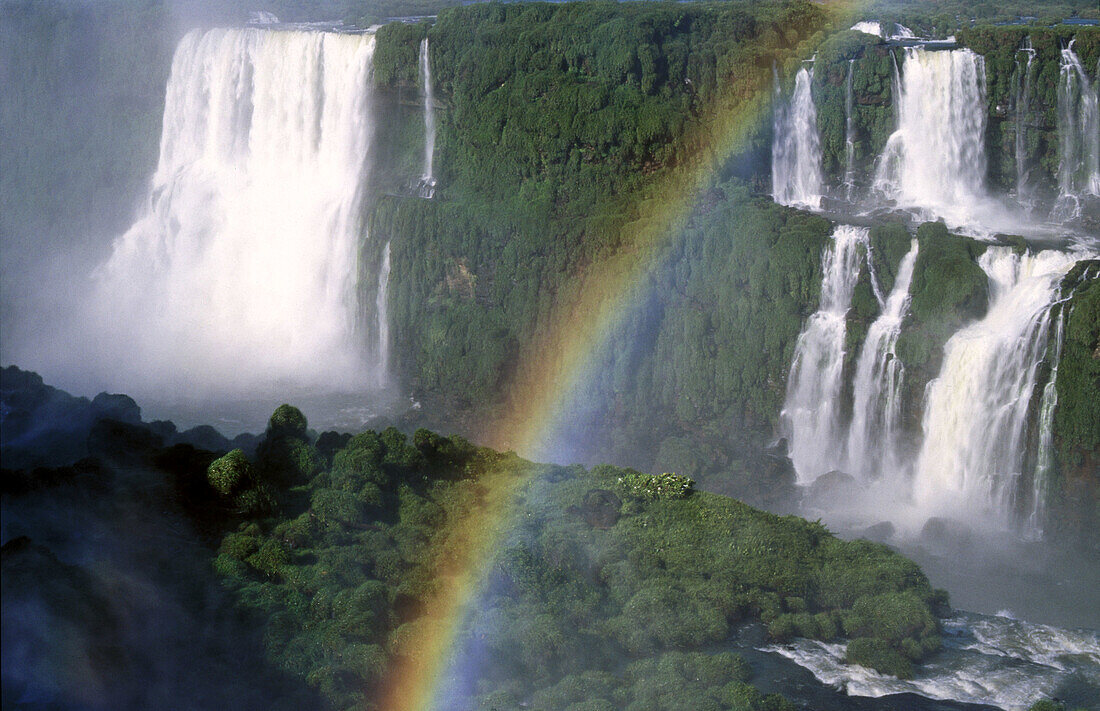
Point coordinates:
pixel 971 462
pixel 796 149
pixel 970 457
pixel 811 412
pixel 1079 135
pixel 427 176
pixel 242 270
pixel 935 160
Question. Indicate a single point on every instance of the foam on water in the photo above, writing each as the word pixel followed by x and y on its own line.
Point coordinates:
pixel 986 659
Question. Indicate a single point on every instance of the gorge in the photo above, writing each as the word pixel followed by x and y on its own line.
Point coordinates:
pixel 830 273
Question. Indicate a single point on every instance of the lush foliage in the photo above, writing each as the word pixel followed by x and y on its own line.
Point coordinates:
pixel 558 122
pixel 340 578
pixel 949 289
pixel 1077 418
pixel 1005 69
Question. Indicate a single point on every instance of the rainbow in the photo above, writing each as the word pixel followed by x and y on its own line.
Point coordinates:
pixel 553 367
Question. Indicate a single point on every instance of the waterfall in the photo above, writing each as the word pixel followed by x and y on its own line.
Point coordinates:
pixel 1079 136
pixel 849 136
pixel 975 417
pixel 1023 104
pixel 241 273
pixel 796 147
pixel 811 411
pixel 868 27
pixel 427 177
pixel 874 437
pixel 382 318
pixel 1044 457
pixel 935 160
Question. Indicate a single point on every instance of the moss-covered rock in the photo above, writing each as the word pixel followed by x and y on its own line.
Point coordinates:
pixel 1077 417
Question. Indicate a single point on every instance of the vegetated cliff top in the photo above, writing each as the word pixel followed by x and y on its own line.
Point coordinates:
pixel 340 547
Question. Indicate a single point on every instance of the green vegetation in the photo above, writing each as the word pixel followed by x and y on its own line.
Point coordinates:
pixel 949 289
pixel 341 576
pixel 1077 418
pixel 559 124
pixel 941 18
pixel 871 66
pixel 871 63
pixel 999 46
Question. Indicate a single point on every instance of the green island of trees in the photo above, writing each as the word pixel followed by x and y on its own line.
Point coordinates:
pixel 611 588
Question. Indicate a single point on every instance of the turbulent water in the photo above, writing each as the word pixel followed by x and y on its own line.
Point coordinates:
pixel 875 437
pixel 986 659
pixel 975 419
pixel 427 176
pixel 935 161
pixel 797 177
pixel 241 274
pixel 811 411
pixel 1079 136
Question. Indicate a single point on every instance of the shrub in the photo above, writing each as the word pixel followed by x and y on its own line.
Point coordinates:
pixel 877 654
pixel 230 472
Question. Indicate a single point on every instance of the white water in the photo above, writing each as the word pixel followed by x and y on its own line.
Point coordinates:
pixel 1023 105
pixel 1044 457
pixel 986 659
pixel 935 161
pixel 240 275
pixel 1079 136
pixel 867 27
pixel 382 317
pixel 874 444
pixel 427 176
pixel 811 411
pixel 849 136
pixel 796 148
pixel 902 32
pixel 971 459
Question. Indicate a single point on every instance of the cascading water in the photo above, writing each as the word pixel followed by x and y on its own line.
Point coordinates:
pixel 849 136
pixel 1079 136
pixel 975 417
pixel 242 271
pixel 1044 457
pixel 797 177
pixel 811 411
pixel 874 446
pixel 382 318
pixel 426 187
pixel 1022 99
pixel 935 160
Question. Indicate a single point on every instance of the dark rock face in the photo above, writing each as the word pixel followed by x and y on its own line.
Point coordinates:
pixel 832 485
pixel 879 532
pixel 945 533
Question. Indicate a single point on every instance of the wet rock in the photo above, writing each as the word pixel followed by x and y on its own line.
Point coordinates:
pixel 880 532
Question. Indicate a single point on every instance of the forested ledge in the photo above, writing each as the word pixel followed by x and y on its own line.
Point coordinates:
pixel 558 127
pixel 612 588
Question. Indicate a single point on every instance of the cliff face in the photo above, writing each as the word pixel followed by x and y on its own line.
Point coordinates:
pixel 559 130
pixel 1020 99
pixel 537 153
